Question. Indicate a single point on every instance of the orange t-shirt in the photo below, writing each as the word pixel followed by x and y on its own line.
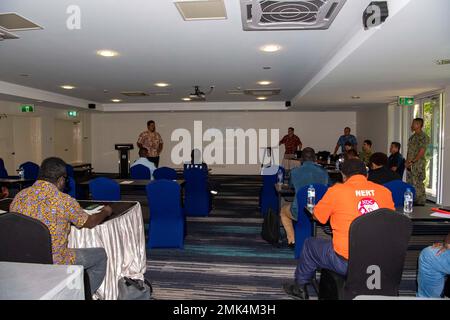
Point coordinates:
pixel 343 203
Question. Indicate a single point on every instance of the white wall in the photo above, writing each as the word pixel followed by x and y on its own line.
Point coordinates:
pixel 319 130
pixel 372 124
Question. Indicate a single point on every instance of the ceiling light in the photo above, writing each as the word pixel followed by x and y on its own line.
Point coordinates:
pixel 262 98
pixel 67 87
pixel 186 99
pixel 107 53
pixel 264 83
pixel 116 100
pixel 443 62
pixel 270 48
pixel 162 84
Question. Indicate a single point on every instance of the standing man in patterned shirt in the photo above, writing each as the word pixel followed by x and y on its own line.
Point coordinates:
pixel 152 141
pixel 292 143
pixel 416 162
pixel 45 201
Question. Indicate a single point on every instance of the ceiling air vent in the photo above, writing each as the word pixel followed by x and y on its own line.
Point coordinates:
pixel 262 92
pixel 289 14
pixel 134 93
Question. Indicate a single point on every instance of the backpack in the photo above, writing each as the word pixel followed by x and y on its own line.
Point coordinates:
pixel 271 228
pixel 132 289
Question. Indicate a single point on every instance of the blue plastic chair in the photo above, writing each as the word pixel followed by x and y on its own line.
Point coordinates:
pixel 167 222
pixel 197 201
pixel 3 172
pixel 140 172
pixel 304 227
pixel 104 189
pixel 268 198
pixel 165 173
pixel 69 170
pixel 71 189
pixel 398 188
pixel 31 170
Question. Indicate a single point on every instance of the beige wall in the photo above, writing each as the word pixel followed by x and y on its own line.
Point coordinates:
pixel 372 124
pixel 317 129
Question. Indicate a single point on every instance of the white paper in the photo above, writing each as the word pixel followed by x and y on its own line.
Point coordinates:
pixel 94 211
pixel 441 215
pixel 1 211
pixel 127 182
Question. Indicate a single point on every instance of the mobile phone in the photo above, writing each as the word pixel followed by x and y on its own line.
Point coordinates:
pixel 92 206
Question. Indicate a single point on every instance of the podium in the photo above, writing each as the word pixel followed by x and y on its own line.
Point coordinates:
pixel 124 159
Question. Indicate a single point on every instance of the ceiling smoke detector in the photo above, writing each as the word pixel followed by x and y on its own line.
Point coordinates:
pixel 289 14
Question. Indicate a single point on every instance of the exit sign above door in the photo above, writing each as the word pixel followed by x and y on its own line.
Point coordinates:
pixel 405 101
pixel 27 108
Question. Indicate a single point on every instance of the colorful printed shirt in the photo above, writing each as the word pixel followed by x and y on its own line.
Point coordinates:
pixel 291 143
pixel 150 141
pixel 44 202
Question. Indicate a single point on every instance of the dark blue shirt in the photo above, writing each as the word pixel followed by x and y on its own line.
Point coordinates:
pixel 343 139
pixel 397 160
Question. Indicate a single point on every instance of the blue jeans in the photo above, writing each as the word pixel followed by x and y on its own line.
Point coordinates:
pixel 94 262
pixel 318 253
pixel 432 272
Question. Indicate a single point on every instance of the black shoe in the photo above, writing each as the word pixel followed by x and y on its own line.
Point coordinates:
pixel 291 246
pixel 295 291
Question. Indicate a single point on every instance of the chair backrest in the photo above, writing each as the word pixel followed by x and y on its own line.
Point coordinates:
pixel 24 239
pixel 269 180
pixel 3 172
pixel 165 173
pixel 140 172
pixel 201 166
pixel 377 250
pixel 31 170
pixel 398 188
pixel 164 199
pixel 71 189
pixel 104 189
pixel 197 197
pixel 69 170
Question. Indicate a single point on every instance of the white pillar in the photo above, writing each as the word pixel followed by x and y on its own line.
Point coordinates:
pixel 446 149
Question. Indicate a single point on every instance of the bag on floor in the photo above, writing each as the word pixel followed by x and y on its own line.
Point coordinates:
pixel 132 289
pixel 271 228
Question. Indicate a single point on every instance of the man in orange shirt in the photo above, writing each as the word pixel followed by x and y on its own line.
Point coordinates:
pixel 342 204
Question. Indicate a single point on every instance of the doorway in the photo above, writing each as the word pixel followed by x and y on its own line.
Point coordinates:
pixel 65 140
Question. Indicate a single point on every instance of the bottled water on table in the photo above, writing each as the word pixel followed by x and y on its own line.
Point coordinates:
pixel 311 200
pixel 408 202
pixel 280 177
pixel 21 174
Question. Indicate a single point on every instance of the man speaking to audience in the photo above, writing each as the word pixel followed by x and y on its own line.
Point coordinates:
pixel 152 142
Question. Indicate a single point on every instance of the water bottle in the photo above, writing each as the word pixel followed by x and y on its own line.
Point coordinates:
pixel 311 200
pixel 280 177
pixel 21 174
pixel 408 202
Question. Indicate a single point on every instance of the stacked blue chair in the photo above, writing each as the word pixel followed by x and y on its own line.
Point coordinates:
pixel 197 200
pixel 69 170
pixel 268 198
pixel 140 172
pixel 71 188
pixel 167 222
pixel 304 226
pixel 165 173
pixel 398 188
pixel 3 172
pixel 104 189
pixel 31 170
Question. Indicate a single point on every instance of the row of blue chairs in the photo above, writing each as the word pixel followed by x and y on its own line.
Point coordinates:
pixel 31 170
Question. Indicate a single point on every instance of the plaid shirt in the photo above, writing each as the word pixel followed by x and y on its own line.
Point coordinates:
pixel 57 210
pixel 291 143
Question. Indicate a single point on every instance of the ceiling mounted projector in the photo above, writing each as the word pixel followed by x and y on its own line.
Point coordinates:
pixel 199 95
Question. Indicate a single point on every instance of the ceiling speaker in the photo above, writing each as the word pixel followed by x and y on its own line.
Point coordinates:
pixel 91 105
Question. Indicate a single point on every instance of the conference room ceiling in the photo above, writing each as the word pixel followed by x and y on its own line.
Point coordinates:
pixel 314 68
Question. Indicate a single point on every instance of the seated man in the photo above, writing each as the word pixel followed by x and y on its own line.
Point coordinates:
pixel 366 152
pixel 342 204
pixel 434 266
pixel 143 160
pixel 4 192
pixel 46 202
pixel 308 173
pixel 379 172
pixel 396 162
pixel 351 154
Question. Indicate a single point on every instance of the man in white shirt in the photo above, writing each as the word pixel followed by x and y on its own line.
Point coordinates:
pixel 145 162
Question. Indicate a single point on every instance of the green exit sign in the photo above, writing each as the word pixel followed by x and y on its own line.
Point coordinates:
pixel 27 108
pixel 72 114
pixel 405 101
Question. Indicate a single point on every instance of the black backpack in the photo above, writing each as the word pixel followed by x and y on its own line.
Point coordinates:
pixel 271 228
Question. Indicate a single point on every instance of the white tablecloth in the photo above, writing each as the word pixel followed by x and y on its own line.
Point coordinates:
pixel 27 281
pixel 124 241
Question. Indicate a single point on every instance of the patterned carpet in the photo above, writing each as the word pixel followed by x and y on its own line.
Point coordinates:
pixel 224 256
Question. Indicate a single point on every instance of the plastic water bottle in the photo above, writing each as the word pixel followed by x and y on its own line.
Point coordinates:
pixel 408 202
pixel 280 177
pixel 21 174
pixel 311 200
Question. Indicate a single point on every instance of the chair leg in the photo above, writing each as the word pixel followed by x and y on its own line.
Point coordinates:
pixel 315 284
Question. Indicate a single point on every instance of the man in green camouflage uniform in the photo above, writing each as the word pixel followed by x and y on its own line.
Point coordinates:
pixel 415 160
pixel 366 152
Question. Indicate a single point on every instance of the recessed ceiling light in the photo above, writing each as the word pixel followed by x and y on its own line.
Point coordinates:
pixel 443 62
pixel 270 48
pixel 264 83
pixel 107 53
pixel 67 87
pixel 356 97
pixel 262 98
pixel 162 84
pixel 116 100
pixel 186 99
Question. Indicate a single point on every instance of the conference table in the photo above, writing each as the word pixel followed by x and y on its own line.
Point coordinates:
pixel 130 184
pixel 121 235
pixel 20 183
